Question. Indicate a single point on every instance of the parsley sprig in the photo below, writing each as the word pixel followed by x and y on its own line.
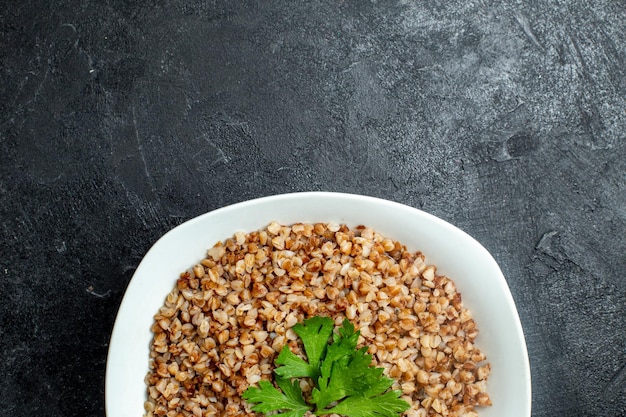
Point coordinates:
pixel 344 381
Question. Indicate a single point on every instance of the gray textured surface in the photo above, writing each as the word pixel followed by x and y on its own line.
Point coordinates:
pixel 121 119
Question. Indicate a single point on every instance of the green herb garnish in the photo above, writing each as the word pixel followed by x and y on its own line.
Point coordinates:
pixel 344 381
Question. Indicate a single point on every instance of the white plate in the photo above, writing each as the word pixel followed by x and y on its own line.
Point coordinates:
pixel 456 254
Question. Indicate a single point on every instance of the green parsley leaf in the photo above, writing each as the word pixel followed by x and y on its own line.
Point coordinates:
pixel 376 382
pixel 269 398
pixel 338 379
pixel 385 405
pixel 346 335
pixel 314 333
pixel 340 350
pixel 293 366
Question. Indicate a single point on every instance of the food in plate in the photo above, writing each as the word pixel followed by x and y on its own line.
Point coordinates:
pixel 228 317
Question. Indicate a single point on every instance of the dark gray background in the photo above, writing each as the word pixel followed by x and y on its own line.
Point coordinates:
pixel 121 119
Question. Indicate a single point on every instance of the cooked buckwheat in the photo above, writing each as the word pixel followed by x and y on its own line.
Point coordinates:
pixel 227 318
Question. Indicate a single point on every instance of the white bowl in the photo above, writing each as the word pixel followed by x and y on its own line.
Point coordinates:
pixel 456 254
